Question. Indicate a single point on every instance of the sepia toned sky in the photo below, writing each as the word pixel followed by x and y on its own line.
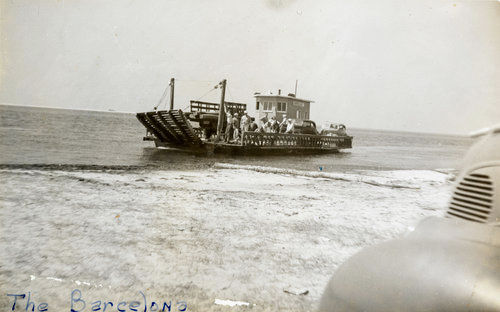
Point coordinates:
pixel 422 66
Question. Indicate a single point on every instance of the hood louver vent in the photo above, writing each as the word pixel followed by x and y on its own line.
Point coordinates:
pixel 473 198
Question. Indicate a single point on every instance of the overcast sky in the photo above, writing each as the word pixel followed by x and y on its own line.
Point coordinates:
pixel 426 66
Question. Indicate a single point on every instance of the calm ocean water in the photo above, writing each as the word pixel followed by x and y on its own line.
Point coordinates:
pixel 45 136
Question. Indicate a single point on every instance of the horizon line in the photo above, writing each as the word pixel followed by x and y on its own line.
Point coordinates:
pixel 66 108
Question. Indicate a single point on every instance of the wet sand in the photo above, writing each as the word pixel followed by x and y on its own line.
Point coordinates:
pixel 224 239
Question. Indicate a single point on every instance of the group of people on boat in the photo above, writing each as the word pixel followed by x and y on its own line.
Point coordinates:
pixel 236 125
pixel 274 126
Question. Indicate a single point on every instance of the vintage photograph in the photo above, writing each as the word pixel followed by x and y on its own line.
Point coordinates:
pixel 255 155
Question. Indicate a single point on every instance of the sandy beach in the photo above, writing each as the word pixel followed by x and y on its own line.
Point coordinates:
pixel 230 238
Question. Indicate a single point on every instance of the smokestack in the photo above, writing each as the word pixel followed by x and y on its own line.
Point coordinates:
pixel 279 91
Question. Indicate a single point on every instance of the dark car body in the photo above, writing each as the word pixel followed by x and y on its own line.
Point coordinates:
pixel 305 127
pixel 333 129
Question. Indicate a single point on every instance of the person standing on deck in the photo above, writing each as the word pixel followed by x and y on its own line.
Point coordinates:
pixel 283 125
pixel 290 126
pixel 263 122
pixel 236 127
pixel 245 122
pixel 253 125
pixel 267 125
pixel 229 126
pixel 274 126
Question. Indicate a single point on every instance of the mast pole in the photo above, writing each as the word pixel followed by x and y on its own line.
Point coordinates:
pixel 296 81
pixel 172 84
pixel 221 109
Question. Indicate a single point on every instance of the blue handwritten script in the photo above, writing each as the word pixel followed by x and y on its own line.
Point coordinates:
pixel 80 304
pixel 30 305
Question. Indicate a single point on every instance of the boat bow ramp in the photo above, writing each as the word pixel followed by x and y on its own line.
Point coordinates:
pixel 170 127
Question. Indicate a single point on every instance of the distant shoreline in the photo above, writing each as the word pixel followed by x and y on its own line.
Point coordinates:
pixel 63 108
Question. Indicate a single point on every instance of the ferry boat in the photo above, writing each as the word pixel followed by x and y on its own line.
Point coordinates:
pixel 202 129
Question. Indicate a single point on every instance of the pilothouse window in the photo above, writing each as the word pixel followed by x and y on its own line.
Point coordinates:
pixel 268 106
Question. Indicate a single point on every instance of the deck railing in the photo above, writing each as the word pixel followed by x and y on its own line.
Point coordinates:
pixel 264 139
pixel 206 107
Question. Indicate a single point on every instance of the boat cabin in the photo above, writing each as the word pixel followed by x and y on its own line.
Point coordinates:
pixel 280 106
